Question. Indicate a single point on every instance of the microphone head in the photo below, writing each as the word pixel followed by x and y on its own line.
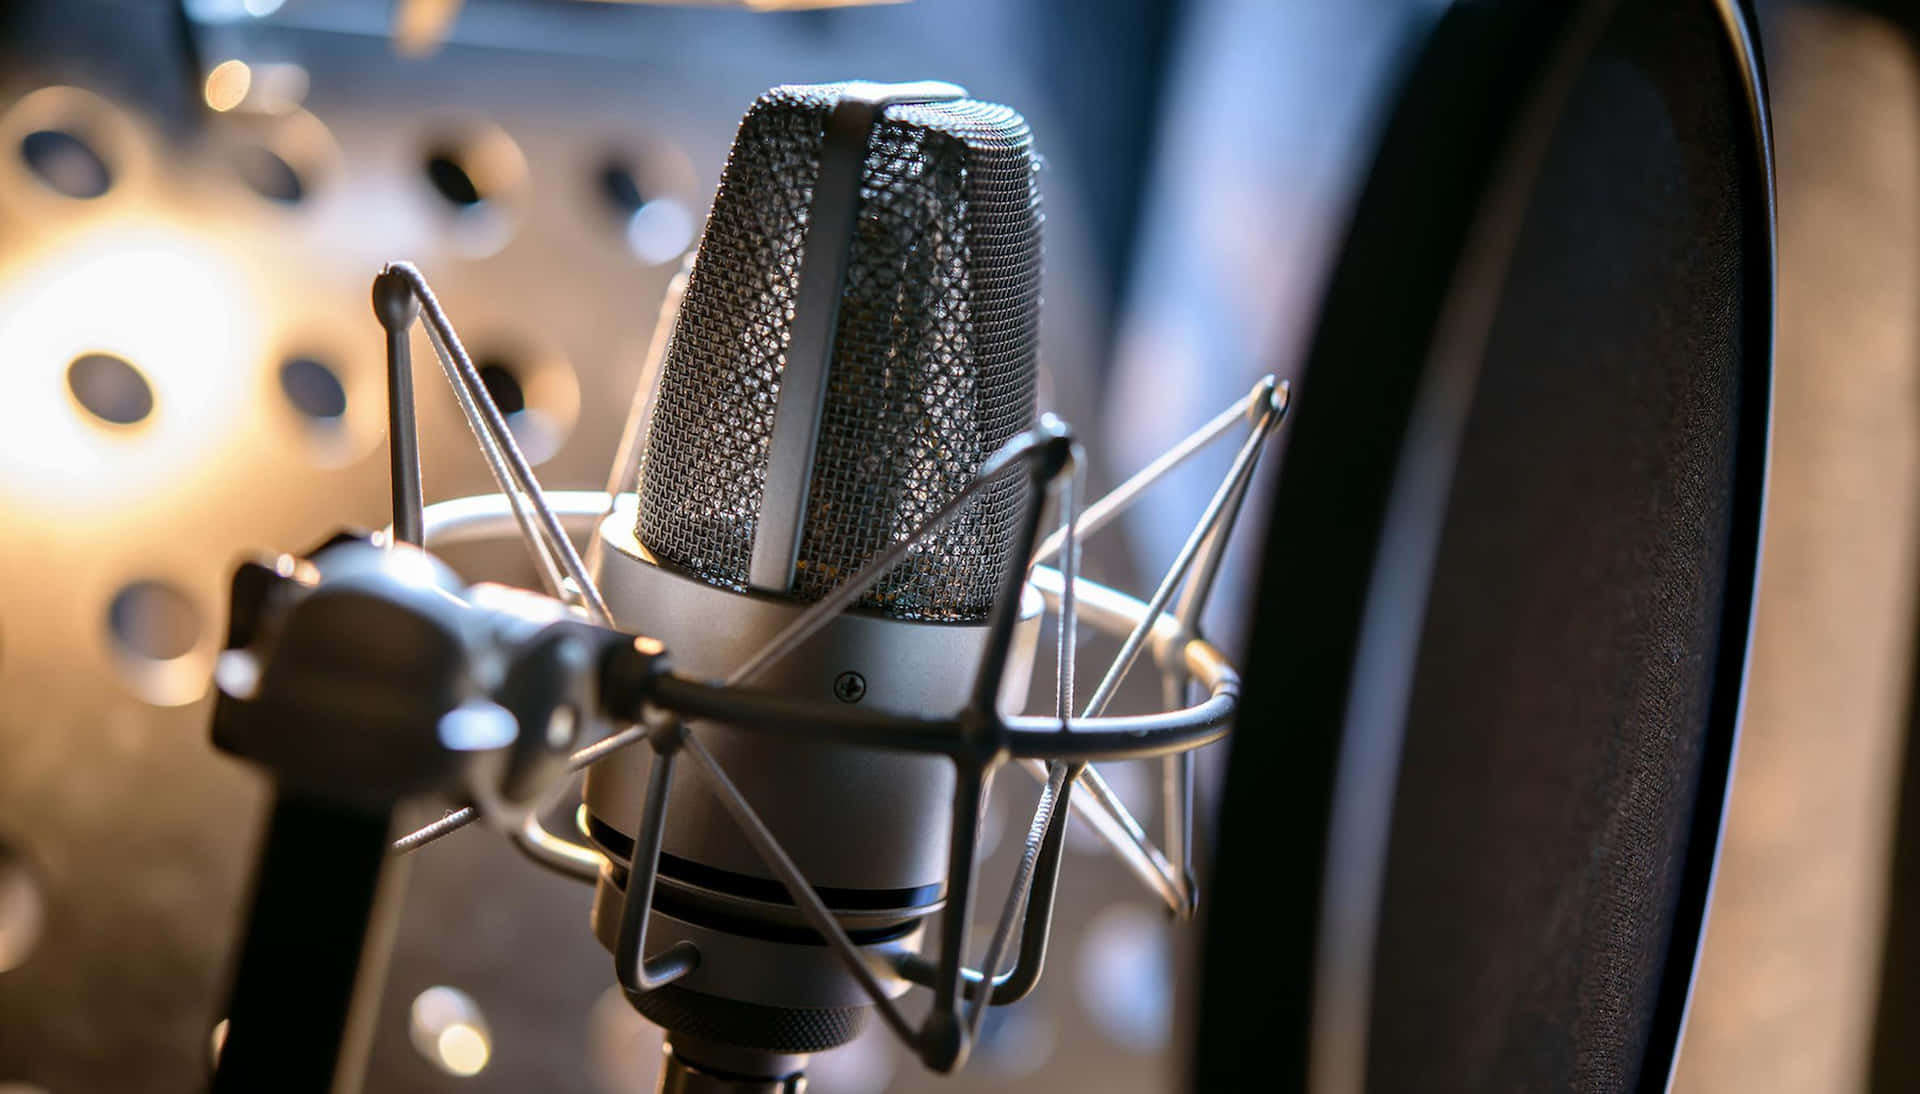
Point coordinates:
pixel 931 368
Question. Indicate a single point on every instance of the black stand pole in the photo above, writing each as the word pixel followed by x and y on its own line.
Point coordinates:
pixel 325 904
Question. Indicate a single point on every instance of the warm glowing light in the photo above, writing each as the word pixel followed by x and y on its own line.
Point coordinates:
pixel 419 26
pixel 463 1049
pixel 227 84
pixel 182 313
pixel 447 1028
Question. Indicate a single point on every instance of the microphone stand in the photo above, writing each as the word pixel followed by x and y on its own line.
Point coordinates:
pixel 383 641
pixel 325 906
pixel 325 897
pixel 361 680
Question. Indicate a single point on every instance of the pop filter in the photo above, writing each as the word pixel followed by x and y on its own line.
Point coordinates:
pixel 1470 820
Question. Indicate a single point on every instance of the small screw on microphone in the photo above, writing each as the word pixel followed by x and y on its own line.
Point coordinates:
pixel 849 687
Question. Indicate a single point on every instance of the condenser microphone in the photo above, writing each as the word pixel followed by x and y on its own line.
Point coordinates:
pixel 857 337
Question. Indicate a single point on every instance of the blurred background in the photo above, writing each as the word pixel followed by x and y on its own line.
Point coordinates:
pixel 195 196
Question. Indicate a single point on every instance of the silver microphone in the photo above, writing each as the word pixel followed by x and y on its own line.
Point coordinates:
pixel 858 335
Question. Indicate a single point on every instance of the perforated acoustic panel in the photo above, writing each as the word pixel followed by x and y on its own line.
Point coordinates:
pixel 1498 673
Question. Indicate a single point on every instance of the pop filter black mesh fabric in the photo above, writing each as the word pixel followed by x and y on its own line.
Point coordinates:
pixel 934 361
pixel 1498 885
pixel 1552 754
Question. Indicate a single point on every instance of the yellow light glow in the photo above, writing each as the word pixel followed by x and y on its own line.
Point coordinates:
pixel 183 314
pixel 419 26
pixel 463 1049
pixel 227 84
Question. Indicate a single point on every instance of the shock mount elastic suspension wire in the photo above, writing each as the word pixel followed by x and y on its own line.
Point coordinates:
pixel 1194 568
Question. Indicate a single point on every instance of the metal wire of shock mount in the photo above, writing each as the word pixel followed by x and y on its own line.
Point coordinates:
pixel 1060 749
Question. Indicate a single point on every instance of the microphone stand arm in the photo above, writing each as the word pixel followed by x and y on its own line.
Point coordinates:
pixel 361 680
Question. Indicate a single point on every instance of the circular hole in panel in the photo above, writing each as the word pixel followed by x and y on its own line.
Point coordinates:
pixel 1125 976
pixel 503 384
pixel 282 157
pixel 155 632
pixel 621 188
pixel 451 180
pixel 268 174
pixel 313 388
pixel 153 621
pixel 23 909
pixel 537 394
pixel 646 197
pixel 324 388
pixel 479 180
pixel 446 1026
pixel 109 388
pixel 66 144
pixel 66 162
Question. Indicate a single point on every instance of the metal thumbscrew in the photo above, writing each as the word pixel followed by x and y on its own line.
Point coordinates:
pixel 849 687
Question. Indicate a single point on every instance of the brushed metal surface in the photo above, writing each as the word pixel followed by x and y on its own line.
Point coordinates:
pixel 846 816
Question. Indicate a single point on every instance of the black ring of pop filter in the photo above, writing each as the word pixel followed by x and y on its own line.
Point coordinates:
pixel 1474 800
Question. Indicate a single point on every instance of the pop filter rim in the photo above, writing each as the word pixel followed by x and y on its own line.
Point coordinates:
pixel 1368 472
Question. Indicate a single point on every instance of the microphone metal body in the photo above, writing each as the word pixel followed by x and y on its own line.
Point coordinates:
pixel 843 654
pixel 857 337
pixel 867 828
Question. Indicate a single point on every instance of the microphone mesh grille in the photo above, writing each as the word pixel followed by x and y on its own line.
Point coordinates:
pixel 934 364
